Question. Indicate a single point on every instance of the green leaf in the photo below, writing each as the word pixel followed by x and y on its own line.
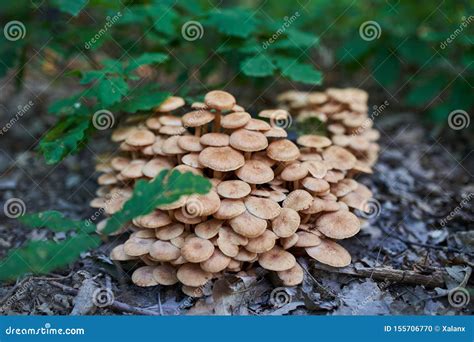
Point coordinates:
pixel 144 98
pixel 44 256
pixel 423 92
pixel 386 68
pixel 111 90
pixel 55 221
pixel 165 18
pixel 92 75
pixel 146 58
pixel 67 106
pixel 166 188
pixel 299 72
pixel 235 22
pixel 73 7
pixel 258 66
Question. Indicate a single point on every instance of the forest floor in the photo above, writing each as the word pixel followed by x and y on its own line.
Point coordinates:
pixel 414 257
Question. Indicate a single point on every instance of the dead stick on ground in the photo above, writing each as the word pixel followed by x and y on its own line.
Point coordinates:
pixel 119 306
pixel 432 280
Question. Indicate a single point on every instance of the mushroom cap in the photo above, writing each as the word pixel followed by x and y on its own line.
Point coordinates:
pixel 121 133
pixel 215 139
pixel 248 225
pixel 276 132
pixel 153 123
pixel 171 103
pixel 273 113
pixel 317 169
pixel 338 225
pixel 170 231
pixel 134 169
pixel 193 291
pixel 197 118
pixel 172 130
pixel 193 275
pixel 165 275
pixel 257 125
pixel 170 120
pixel 287 223
pixel 107 179
pixel 330 253
pixel 216 263
pixel 190 143
pixel 343 187
pixel 154 166
pixel 208 229
pixel 355 200
pixel 118 253
pixel 137 246
pixel 192 159
pixel 339 157
pixel 221 158
pixel 255 172
pixel 298 200
pixel 220 100
pixel 202 205
pixel 119 163
pixel 140 137
pixel 307 239
pixel 314 141
pixel 227 247
pixel 235 120
pixel 262 207
pixel 294 172
pixel 293 276
pixel 248 141
pixel 290 241
pixel 229 209
pixel 318 205
pixel 245 256
pixel 182 216
pixel 233 189
pixel 283 150
pixel 170 146
pixel 155 219
pixel 317 97
pixel 143 276
pixel 315 185
pixel 334 176
pixel 164 251
pixel 262 243
pixel 197 250
pixel 277 259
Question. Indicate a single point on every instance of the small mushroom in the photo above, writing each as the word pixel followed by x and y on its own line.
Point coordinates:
pixel 330 253
pixel 193 275
pixel 197 250
pixel 277 259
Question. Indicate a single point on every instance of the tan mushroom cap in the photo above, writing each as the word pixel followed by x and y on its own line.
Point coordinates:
pixel 134 169
pixel 235 120
pixel 248 141
pixel 170 232
pixel 170 120
pixel 190 143
pixel 277 259
pixel 227 247
pixel 165 275
pixel 273 113
pixel 107 179
pixel 164 251
pixel 314 141
pixel 119 163
pixel 343 187
pixel 340 158
pixel 290 241
pixel 154 166
pixel 330 253
pixel 222 159
pixel 233 189
pixel 118 253
pixel 196 249
pixel 317 169
pixel 294 172
pixel 143 276
pixel 315 185
pixel 121 133
pixel 192 291
pixel 192 159
pixel 155 219
pixel 153 123
pixel 307 239
pixel 229 209
pixel 220 100
pixel 215 139
pixel 262 243
pixel 262 207
pixel 318 205
pixel 287 223
pixel 170 146
pixel 182 216
pixel 216 263
pixel 334 176
pixel 283 150
pixel 276 132
pixel 137 246
pixel 248 225
pixel 245 256
pixel 193 275
pixel 197 118
pixel 202 205
pixel 298 200
pixel 255 172
pixel 172 130
pixel 140 137
pixel 257 125
pixel 208 229
pixel 293 276
pixel 170 104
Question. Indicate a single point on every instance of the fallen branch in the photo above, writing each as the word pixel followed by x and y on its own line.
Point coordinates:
pixel 435 279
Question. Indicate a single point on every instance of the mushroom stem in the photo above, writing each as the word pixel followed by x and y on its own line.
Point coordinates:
pixel 171 214
pixel 217 174
pixel 296 184
pixel 248 155
pixel 217 121
pixel 305 218
pixel 197 131
pixel 279 168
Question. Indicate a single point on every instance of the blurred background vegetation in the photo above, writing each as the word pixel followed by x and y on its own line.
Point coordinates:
pixel 128 56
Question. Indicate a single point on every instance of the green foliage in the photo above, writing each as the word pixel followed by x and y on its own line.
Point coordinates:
pixel 45 256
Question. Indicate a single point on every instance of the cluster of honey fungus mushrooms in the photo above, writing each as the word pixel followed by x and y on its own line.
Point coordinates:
pixel 271 199
pixel 344 111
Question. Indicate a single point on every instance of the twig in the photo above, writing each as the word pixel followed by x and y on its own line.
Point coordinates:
pixel 116 305
pixel 432 280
